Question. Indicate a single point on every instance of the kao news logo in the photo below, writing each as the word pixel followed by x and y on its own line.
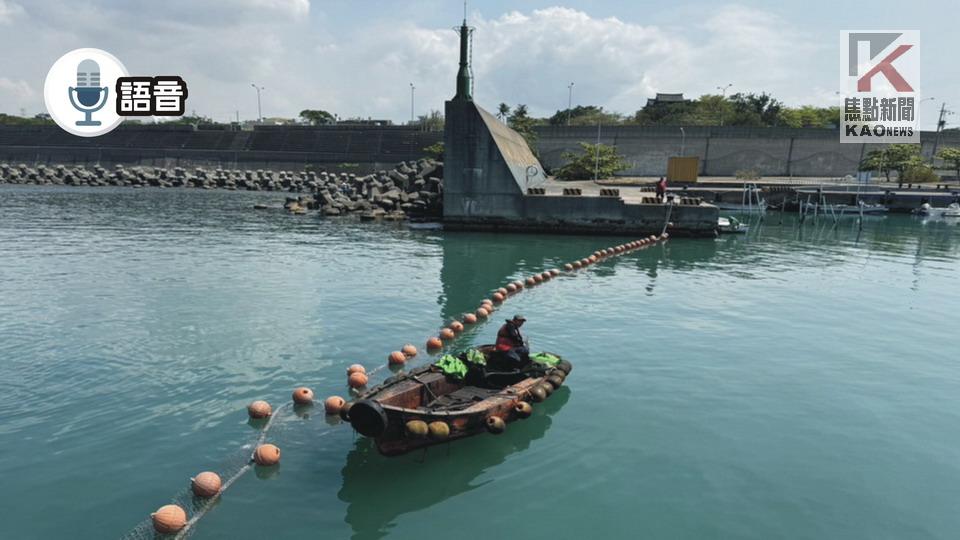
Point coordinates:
pixel 88 92
pixel 881 78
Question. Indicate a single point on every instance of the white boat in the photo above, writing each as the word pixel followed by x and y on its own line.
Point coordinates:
pixel 852 210
pixel 927 210
pixel 731 225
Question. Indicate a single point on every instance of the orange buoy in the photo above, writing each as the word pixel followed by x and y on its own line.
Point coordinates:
pixel 409 350
pixel 169 519
pixel 397 358
pixel 585 262
pixel 206 484
pixel 497 297
pixel 356 368
pixel 303 396
pixel 652 238
pixel 456 326
pixel 469 318
pixel 447 333
pixel 357 380
pixel 665 235
pixel 503 291
pixel 546 275
pixel 530 282
pixel 486 301
pixel 259 409
pixel 333 404
pixel 537 278
pixel 597 253
pixel 554 272
pixel 577 264
pixel 266 455
pixel 592 259
pixel 511 288
pixel 518 284
pixel 434 343
pixel 568 267
pixel 482 313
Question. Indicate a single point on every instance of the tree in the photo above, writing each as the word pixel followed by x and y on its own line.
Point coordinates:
pixel 522 123
pixel 435 150
pixel 585 115
pixel 597 159
pixel 896 157
pixel 432 121
pixel 503 110
pixel 754 110
pixel 317 117
pixel 951 156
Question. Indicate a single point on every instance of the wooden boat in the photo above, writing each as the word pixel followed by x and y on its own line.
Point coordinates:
pixel 425 406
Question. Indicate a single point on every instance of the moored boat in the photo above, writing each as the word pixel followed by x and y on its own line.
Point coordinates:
pixel 430 405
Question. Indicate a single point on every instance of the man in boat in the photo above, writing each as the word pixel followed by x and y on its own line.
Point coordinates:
pixel 510 345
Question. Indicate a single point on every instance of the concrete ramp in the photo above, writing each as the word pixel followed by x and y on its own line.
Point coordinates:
pixel 525 167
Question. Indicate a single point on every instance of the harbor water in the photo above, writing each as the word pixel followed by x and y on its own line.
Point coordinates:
pixel 797 383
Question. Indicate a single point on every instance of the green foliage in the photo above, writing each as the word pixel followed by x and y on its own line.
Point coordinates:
pixel 521 122
pixel 503 111
pixel 588 115
pixel 435 150
pixel 896 157
pixel 317 117
pixel 919 172
pixel 754 110
pixel 432 121
pixel 810 117
pixel 585 165
pixel 951 156
pixel 38 120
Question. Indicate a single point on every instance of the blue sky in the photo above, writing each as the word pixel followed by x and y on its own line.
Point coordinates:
pixel 358 58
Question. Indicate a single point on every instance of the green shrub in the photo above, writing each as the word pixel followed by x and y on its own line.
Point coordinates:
pixel 589 163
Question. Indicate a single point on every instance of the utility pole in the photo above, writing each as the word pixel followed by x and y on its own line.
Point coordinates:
pixel 569 102
pixel 941 123
pixel 259 110
pixel 412 90
pixel 723 96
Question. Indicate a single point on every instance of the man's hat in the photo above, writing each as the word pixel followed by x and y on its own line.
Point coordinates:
pixel 518 317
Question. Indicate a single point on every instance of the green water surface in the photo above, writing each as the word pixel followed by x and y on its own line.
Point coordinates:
pixel 792 383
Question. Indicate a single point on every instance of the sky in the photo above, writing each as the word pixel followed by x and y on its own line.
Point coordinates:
pixel 358 58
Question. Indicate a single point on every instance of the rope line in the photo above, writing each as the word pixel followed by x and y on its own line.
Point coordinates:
pixel 197 507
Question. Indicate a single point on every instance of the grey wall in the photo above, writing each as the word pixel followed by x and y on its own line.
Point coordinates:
pixel 722 151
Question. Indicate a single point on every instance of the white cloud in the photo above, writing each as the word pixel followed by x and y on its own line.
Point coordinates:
pixel 307 61
pixel 8 11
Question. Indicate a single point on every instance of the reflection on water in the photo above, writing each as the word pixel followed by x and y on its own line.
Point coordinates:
pixel 379 489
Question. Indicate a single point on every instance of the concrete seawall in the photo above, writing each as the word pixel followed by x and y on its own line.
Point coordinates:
pixel 722 151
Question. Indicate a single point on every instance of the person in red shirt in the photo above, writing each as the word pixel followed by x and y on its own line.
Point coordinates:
pixel 510 344
pixel 662 188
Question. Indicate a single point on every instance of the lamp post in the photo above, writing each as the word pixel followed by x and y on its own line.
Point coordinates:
pixel 413 89
pixel 683 141
pixel 259 110
pixel 723 96
pixel 569 101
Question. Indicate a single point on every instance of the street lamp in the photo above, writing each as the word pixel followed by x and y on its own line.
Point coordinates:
pixel 259 110
pixel 412 90
pixel 683 141
pixel 569 102
pixel 723 96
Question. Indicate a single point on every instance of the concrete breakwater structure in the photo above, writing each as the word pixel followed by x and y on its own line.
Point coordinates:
pixel 409 188
pixel 493 181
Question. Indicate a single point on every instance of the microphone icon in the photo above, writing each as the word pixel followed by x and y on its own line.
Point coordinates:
pixel 88 92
